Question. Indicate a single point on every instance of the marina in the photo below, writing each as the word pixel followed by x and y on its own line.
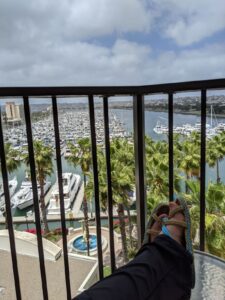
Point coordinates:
pixel 212 129
pixel 75 124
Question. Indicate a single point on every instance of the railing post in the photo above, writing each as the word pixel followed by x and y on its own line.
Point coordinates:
pixel 202 171
pixel 8 216
pixel 139 149
pixel 35 196
pixel 170 118
pixel 109 182
pixel 62 206
pixel 96 184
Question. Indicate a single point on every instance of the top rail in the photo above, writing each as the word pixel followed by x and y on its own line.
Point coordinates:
pixel 112 90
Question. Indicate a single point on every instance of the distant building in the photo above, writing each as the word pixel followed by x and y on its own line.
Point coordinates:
pixel 12 112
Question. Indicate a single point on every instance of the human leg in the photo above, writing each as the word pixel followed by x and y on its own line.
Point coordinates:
pixel 161 270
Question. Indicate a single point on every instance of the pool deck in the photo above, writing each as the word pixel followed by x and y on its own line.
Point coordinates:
pixel 105 234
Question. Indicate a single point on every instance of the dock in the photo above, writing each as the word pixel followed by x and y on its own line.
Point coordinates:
pixel 75 215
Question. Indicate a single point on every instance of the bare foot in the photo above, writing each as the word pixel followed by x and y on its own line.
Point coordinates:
pixel 157 226
pixel 176 231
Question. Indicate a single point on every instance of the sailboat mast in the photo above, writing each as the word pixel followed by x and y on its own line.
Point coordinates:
pixel 211 116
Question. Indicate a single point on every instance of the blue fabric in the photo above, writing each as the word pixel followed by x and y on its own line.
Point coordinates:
pixel 165 231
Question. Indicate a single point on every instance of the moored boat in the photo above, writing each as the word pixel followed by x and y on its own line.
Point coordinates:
pixel 71 185
pixel 24 197
pixel 12 188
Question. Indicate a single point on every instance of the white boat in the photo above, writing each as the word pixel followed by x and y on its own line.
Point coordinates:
pixel 220 127
pixel 67 152
pixel 12 188
pixel 24 197
pixel 71 185
pixel 160 129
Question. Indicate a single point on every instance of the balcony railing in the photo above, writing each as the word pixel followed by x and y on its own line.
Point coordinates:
pixel 138 93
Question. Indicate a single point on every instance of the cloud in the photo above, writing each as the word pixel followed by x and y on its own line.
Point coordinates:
pixel 35 22
pixel 188 22
pixel 126 63
pixel 53 42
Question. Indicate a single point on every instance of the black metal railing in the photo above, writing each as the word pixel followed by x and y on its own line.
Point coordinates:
pixel 138 93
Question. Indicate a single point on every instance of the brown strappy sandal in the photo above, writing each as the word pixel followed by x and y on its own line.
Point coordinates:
pixel 160 209
pixel 187 242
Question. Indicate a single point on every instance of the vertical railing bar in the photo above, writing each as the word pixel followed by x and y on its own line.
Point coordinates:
pixel 35 196
pixel 60 185
pixel 96 184
pixel 8 216
pixel 202 170
pixel 139 149
pixel 109 182
pixel 170 118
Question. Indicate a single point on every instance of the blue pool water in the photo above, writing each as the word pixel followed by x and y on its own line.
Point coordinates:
pixel 79 243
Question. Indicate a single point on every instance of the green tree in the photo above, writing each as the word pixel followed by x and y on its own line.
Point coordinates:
pixel 214 218
pixel 12 163
pixel 188 158
pixel 122 178
pixel 81 156
pixel 12 158
pixel 123 151
pixel 44 167
pixel 157 174
pixel 216 152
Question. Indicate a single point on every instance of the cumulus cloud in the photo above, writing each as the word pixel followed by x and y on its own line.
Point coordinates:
pixel 188 22
pixel 51 21
pixel 53 42
pixel 126 63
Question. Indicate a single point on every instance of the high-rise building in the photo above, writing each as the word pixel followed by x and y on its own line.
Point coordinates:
pixel 12 112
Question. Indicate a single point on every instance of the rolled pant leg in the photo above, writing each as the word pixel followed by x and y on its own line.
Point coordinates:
pixel 145 277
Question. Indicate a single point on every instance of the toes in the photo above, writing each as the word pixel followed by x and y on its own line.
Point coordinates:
pixel 157 225
pixel 172 205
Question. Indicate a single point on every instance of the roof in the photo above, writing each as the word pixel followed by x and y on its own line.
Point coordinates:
pixel 26 243
pixel 83 270
pixel 30 280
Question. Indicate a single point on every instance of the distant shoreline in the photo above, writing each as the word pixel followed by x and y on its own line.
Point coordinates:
pixel 195 113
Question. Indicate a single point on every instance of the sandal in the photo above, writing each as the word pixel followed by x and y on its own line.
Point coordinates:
pixel 160 209
pixel 184 224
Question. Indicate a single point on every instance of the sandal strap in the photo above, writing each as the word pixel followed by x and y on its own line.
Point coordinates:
pixel 156 218
pixel 153 231
pixel 175 222
pixel 175 211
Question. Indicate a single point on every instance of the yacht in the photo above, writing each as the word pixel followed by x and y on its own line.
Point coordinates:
pixel 24 197
pixel 160 129
pixel 71 185
pixel 12 188
pixel 220 127
pixel 67 152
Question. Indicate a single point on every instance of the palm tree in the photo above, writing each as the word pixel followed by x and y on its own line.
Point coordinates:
pixel 123 151
pixel 188 158
pixel 216 152
pixel 44 167
pixel 81 156
pixel 122 176
pixel 12 163
pixel 12 158
pixel 214 218
pixel 157 174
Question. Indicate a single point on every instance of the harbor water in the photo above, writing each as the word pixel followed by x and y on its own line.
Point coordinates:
pixel 126 117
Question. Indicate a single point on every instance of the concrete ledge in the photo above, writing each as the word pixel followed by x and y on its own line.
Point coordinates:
pixel 26 244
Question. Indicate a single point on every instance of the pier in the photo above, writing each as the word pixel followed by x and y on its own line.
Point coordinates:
pixel 75 214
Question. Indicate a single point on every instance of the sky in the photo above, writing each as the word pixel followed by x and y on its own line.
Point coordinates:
pixel 110 42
